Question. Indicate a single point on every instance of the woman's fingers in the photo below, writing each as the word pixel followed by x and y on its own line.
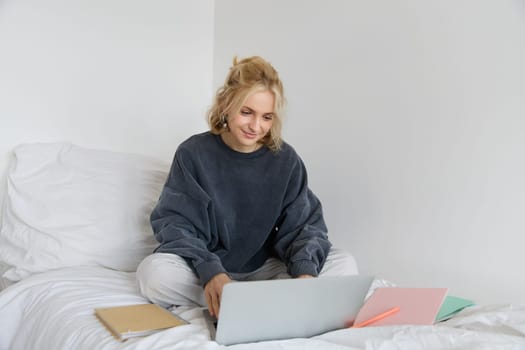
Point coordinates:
pixel 215 300
pixel 213 292
pixel 209 302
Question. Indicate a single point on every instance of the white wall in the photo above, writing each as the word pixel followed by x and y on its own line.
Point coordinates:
pixel 126 75
pixel 408 114
pixel 410 117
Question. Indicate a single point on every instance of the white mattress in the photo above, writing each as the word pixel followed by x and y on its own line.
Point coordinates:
pixel 54 310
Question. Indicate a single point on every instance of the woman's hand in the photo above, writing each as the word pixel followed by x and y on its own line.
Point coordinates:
pixel 305 276
pixel 213 292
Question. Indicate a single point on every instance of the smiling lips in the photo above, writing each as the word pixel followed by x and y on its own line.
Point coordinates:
pixel 249 135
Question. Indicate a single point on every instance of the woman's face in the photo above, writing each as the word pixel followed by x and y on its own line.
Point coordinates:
pixel 251 124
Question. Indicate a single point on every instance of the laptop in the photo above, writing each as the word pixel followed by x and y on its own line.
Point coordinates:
pixel 287 308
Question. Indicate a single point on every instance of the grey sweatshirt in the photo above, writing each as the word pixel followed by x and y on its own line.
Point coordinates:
pixel 226 211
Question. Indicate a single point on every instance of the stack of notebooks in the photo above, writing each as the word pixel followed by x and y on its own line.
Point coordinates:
pixel 408 306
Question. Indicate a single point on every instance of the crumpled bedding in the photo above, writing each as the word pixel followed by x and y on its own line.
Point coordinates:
pixel 54 310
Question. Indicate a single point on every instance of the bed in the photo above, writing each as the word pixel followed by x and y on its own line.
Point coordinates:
pixel 74 228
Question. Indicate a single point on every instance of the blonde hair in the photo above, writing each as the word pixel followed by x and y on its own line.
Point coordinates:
pixel 247 76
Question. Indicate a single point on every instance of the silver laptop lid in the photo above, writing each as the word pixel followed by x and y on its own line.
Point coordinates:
pixel 288 308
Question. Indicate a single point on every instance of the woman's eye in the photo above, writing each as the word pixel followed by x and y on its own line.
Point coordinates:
pixel 268 117
pixel 246 112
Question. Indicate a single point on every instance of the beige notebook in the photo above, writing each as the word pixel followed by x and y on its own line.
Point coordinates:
pixel 137 320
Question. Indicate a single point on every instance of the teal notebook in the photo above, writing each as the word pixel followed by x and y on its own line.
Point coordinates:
pixel 451 306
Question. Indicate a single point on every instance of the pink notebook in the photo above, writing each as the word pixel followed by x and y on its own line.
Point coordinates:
pixel 417 306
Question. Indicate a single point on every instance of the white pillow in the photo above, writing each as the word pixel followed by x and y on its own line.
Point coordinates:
pixel 67 206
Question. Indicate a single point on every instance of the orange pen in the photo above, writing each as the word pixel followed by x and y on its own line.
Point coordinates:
pixel 378 317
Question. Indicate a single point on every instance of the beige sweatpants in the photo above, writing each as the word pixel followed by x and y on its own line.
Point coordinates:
pixel 166 279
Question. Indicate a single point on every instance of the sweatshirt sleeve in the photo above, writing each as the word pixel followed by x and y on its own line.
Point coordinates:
pixel 180 220
pixel 301 238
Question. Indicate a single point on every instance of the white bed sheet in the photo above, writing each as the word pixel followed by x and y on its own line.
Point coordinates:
pixel 54 310
pixel 4 282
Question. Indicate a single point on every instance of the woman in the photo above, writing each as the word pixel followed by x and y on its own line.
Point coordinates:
pixel 236 204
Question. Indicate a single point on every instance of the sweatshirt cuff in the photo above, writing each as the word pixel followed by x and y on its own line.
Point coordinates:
pixel 302 267
pixel 206 270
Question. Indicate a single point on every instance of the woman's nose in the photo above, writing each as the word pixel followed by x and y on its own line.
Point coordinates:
pixel 254 123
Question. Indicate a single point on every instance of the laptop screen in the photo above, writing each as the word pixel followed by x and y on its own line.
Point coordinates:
pixel 287 308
